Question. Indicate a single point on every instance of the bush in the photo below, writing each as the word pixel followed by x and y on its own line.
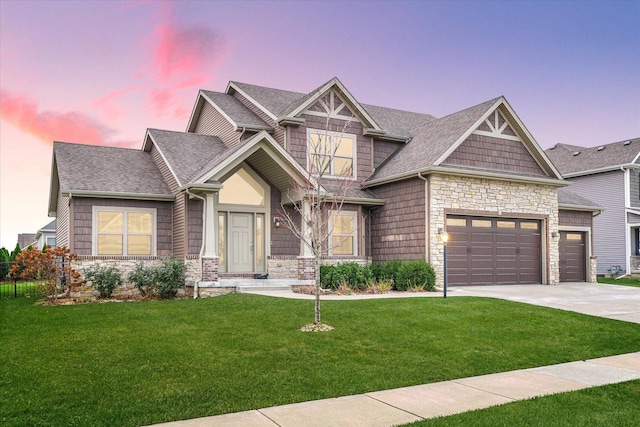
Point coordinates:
pixel 142 279
pixel 104 279
pixel 162 281
pixel 5 262
pixel 168 278
pixel 349 274
pixel 415 275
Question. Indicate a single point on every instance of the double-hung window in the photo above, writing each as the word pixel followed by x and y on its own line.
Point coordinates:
pixel 331 153
pixel 343 233
pixel 123 231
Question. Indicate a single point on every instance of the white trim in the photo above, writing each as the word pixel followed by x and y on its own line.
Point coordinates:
pixel 587 244
pixel 164 159
pixel 627 204
pixel 601 170
pixel 94 227
pixel 332 153
pixel 354 233
pixel 351 100
pixel 261 107
pixel 220 110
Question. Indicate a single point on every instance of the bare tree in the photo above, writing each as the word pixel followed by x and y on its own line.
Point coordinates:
pixel 312 205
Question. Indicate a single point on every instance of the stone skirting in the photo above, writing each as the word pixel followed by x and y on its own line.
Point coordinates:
pixel 210 269
pixel 306 268
pixel 592 272
pixel 283 267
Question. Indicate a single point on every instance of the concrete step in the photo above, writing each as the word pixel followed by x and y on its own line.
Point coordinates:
pixel 252 288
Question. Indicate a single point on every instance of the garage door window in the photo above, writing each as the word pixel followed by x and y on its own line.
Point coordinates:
pixel 484 223
pixel 506 224
pixel 529 225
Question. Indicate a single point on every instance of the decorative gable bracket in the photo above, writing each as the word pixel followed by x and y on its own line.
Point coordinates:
pixel 496 126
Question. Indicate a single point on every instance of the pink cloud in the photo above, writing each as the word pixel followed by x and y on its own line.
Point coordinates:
pixel 110 103
pixel 183 58
pixel 53 125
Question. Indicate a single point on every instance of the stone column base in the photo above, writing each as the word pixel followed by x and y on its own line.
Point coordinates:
pixel 210 269
pixel 306 268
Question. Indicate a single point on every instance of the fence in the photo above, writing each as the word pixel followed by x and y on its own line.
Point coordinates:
pixel 10 288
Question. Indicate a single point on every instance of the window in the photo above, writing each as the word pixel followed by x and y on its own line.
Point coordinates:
pixel 331 153
pixel 343 233
pixel 123 231
pixel 242 189
pixel 51 241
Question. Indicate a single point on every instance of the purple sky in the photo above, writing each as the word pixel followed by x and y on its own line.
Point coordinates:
pixel 102 72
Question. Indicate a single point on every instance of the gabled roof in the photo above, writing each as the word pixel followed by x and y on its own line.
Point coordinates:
pixel 234 111
pixel 49 228
pixel 277 104
pixel 184 153
pixel 573 160
pixel 92 168
pixel 435 140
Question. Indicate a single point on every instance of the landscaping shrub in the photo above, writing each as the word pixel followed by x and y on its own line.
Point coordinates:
pixel 142 279
pixel 162 281
pixel 104 279
pixel 349 274
pixel 5 262
pixel 415 275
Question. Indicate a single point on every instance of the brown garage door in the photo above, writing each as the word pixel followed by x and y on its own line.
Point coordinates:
pixel 485 251
pixel 573 256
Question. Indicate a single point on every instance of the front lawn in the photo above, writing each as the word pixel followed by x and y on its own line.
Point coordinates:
pixel 625 281
pixel 610 405
pixel 136 363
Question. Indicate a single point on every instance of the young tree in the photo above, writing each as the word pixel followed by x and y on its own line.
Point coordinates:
pixel 307 209
pixel 53 267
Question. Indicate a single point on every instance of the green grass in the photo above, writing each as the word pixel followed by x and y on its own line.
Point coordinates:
pixel 625 281
pixel 141 363
pixel 7 289
pixel 610 405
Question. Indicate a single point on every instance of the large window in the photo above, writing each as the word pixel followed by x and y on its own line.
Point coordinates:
pixel 242 189
pixel 123 231
pixel 343 233
pixel 331 153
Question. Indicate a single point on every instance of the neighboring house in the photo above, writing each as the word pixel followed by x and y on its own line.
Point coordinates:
pixel 609 175
pixel 46 235
pixel 26 239
pixel 214 194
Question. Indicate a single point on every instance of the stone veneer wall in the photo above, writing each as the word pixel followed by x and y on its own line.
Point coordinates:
pixel 472 196
pixel 282 267
pixel 593 270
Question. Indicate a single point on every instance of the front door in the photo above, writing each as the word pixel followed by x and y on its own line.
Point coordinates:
pixel 240 250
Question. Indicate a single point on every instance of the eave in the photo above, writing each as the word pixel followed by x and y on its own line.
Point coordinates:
pixel 569 207
pixel 442 170
pixel 118 195
pixel 602 170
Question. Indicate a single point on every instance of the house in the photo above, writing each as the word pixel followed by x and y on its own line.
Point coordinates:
pixel 610 176
pixel 46 235
pixel 215 194
pixel 26 239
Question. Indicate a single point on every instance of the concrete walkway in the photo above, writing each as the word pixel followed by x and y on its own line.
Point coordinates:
pixel 408 404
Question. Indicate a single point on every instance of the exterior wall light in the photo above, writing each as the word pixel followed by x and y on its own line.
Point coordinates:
pixel 554 235
pixel 276 221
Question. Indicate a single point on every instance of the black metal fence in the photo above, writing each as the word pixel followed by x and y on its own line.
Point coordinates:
pixel 10 288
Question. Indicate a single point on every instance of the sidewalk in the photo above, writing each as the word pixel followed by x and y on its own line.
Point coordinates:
pixel 408 404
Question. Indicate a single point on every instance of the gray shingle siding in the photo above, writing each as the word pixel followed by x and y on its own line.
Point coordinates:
pixel 398 227
pixel 283 241
pixel 83 222
pixel 634 188
pixel 606 190
pixel 178 207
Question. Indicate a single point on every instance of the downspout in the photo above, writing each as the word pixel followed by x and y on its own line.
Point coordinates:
pixel 204 219
pixel 627 204
pixel 69 228
pixel 427 225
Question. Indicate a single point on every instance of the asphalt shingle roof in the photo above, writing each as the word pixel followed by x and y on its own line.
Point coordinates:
pixel 186 152
pixel 107 169
pixel 568 197
pixel 588 159
pixel 236 110
pixel 431 140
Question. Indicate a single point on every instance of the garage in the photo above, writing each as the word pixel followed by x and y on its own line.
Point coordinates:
pixel 493 251
pixel 573 256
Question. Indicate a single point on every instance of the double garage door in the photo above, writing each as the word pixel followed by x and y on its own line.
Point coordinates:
pixel 503 251
pixel 489 251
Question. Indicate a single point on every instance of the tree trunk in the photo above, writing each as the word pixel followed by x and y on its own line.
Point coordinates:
pixel 316 263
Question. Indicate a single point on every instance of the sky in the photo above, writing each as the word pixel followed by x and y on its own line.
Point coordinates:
pixel 102 72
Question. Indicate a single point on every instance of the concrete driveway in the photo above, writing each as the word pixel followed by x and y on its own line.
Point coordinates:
pixel 611 301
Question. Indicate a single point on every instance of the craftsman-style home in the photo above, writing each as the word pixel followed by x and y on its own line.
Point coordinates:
pixel 215 195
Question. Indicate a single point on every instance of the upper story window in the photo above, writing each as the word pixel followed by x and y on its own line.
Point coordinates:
pixel 123 231
pixel 51 241
pixel 331 153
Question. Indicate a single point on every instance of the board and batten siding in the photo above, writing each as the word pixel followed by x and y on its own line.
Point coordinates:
pixel 606 190
pixel 83 222
pixel 62 221
pixel 634 188
pixel 398 227
pixel 211 122
pixel 179 206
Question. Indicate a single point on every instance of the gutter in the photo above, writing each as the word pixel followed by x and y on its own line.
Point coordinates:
pixel 204 218
pixel 115 195
pixel 601 170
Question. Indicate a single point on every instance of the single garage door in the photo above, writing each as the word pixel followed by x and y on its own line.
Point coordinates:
pixel 490 251
pixel 573 256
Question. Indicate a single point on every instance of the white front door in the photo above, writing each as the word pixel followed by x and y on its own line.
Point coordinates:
pixel 240 242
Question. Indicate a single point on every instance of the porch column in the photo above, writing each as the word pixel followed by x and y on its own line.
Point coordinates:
pixel 210 254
